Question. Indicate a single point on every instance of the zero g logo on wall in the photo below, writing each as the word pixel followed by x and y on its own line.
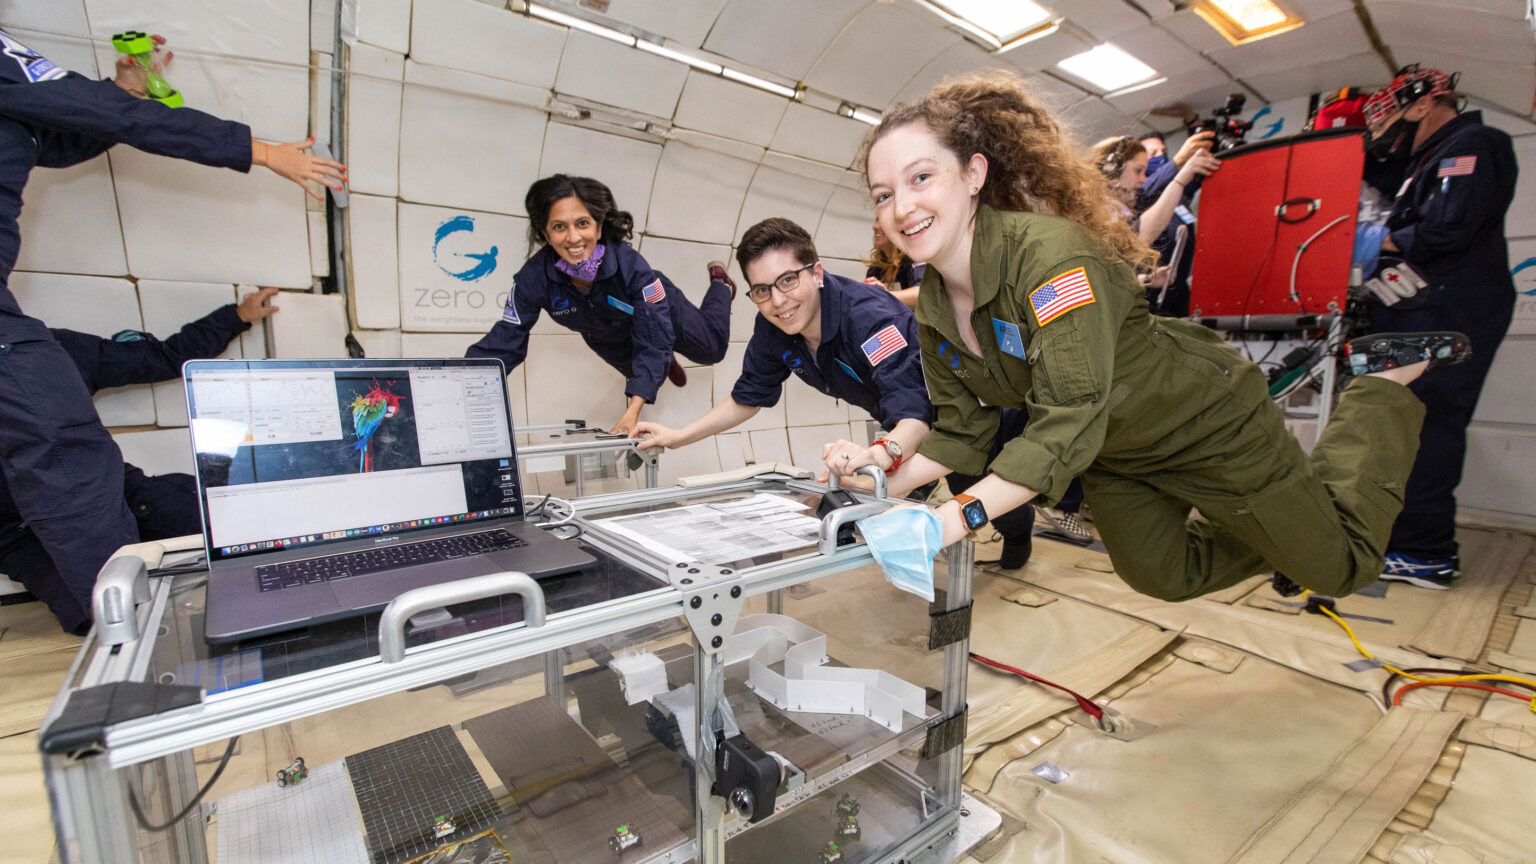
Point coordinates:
pixel 456 268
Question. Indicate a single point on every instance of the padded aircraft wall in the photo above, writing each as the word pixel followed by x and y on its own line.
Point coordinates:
pixel 454 106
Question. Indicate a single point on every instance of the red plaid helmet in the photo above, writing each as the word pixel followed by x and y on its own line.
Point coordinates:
pixel 1410 85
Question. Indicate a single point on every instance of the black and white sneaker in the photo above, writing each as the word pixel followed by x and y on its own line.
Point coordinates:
pixel 1437 574
pixel 1383 351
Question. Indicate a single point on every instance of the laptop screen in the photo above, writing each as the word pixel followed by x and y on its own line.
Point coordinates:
pixel 303 453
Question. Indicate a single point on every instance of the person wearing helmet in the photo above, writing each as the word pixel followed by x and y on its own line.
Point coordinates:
pixel 1447 224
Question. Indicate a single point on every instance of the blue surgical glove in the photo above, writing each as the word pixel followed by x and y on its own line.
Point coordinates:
pixel 1368 239
pixel 904 542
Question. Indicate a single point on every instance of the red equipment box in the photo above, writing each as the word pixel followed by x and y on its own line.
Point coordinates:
pixel 1277 227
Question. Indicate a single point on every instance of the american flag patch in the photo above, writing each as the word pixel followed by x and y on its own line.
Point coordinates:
pixel 883 344
pixel 654 293
pixel 1460 166
pixel 1060 296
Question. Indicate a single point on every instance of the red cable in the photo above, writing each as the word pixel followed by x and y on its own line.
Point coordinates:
pixel 1093 710
pixel 1397 698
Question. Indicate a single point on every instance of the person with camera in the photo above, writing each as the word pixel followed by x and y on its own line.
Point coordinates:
pixel 1447 224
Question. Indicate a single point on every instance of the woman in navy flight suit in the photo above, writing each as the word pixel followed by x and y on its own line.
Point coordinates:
pixel 591 280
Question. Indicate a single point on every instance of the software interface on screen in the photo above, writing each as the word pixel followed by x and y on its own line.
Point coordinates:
pixel 299 456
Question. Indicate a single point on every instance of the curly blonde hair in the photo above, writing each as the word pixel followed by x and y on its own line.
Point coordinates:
pixel 1031 165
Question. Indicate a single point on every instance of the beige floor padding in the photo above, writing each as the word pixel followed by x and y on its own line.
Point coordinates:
pixel 1486 817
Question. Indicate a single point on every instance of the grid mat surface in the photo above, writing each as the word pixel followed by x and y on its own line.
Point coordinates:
pixel 313 821
pixel 403 786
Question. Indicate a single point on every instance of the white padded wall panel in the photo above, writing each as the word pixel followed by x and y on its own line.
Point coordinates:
pixel 1506 396
pixel 784 37
pixel 744 316
pixel 804 405
pixel 731 448
pixel 1044 53
pixel 863 63
pixel 725 374
pixel 158 451
pixel 698 193
pixel 676 407
pixel 67 224
pixel 806 442
pixel 962 56
pixel 1093 119
pixel 625 165
pixel 319 243
pixel 847 268
pixel 380 343
pixel 847 225
pixel 320 97
pixel 1502 80
pixel 488 39
pixel 456 267
pixel 819 135
pixel 594 68
pixel 1334 36
pixel 309 325
pixel 374 255
pixel 467 140
pixel 700 457
pixel 775 192
pixel 322 25
pixel 1500 118
pixel 687 21
pixel 566 380
pixel 1363 69
pixel 1192 30
pixel 94 305
pixel 1105 19
pixel 373 120
pixel 385 23
pixel 1489 483
pixel 190 223
pixel 166 307
pixel 712 104
pixel 1468 32
pixel 770 445
pixel 1520 221
pixel 1523 252
pixel 272 100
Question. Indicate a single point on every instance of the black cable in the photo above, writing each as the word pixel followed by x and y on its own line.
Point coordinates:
pixel 1423 670
pixel 138 811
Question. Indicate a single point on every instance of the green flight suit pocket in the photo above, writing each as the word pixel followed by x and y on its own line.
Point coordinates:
pixel 1061 367
pixel 1305 537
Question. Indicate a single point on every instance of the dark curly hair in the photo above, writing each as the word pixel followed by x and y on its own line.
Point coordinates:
pixel 617 225
pixel 1031 165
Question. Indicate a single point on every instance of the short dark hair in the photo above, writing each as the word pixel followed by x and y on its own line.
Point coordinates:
pixel 775 233
pixel 617 225
pixel 1150 136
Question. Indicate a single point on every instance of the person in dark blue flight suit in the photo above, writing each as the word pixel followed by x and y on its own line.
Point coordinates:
pixel 1447 222
pixel 164 505
pixel 847 339
pixel 63 470
pixel 591 280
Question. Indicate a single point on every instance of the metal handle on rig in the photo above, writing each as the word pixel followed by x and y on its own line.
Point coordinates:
pixel 141 47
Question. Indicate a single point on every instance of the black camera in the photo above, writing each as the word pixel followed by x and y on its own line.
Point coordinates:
pixel 1223 121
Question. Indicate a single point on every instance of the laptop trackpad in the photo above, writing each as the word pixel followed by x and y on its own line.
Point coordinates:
pixel 375 590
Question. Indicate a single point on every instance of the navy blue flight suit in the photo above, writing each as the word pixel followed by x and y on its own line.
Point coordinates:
pixel 1449 221
pixel 1175 301
pixel 61 466
pixel 632 316
pixel 164 505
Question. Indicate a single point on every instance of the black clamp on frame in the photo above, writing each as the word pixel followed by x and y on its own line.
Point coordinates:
pixel 82 726
pixel 945 735
pixel 948 627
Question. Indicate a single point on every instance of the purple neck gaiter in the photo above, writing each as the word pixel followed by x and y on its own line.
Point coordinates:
pixel 586 271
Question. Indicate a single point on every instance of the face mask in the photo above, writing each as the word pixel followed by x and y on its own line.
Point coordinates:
pixel 1155 163
pixel 903 543
pixel 586 271
pixel 1395 143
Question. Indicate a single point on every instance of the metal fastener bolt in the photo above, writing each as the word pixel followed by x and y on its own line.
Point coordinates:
pixel 735 590
pixel 696 602
pixel 714 619
pixel 716 642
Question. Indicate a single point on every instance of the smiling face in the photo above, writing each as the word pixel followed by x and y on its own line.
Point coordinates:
pixel 1131 178
pixel 571 231
pixel 882 242
pixel 923 196
pixel 795 310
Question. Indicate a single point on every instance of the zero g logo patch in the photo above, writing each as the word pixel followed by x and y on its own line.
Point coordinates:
pixel 793 361
pixel 948 355
pixel 33 65
pixel 559 304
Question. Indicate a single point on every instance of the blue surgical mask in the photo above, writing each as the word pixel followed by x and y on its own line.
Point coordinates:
pixel 904 542
pixel 1155 163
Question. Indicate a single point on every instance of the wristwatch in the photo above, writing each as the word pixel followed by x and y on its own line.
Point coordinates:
pixel 892 449
pixel 971 511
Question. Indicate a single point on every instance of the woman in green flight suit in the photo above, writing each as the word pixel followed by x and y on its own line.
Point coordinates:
pixel 1024 309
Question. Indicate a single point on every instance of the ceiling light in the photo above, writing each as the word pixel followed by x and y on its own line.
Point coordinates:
pixel 679 56
pixel 555 16
pixel 863 115
pixel 1135 87
pixel 1108 68
pixel 794 93
pixel 1243 21
pixel 1040 32
pixel 1002 20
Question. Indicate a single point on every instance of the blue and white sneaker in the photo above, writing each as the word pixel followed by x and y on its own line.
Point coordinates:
pixel 1435 573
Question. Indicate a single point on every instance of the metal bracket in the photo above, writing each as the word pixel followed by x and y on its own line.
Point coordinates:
pixel 945 735
pixel 710 607
pixel 947 628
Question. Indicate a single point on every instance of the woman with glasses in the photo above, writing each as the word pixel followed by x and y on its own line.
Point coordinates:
pixel 587 276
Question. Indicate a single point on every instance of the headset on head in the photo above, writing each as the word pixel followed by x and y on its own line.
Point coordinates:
pixel 1115 159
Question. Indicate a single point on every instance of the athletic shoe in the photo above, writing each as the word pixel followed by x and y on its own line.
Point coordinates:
pixel 676 375
pixel 1385 351
pixel 1064 526
pixel 717 273
pixel 1435 573
pixel 1284 586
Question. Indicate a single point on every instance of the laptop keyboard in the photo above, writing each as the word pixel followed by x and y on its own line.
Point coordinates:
pixel 273 577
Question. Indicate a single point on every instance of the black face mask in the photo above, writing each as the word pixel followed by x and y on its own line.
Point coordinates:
pixel 1395 144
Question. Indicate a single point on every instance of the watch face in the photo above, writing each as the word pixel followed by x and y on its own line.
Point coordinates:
pixel 975 515
pixel 892 448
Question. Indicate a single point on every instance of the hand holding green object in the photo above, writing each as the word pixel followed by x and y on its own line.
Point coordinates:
pixel 138 72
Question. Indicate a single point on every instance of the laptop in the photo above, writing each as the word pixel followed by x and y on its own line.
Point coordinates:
pixel 330 487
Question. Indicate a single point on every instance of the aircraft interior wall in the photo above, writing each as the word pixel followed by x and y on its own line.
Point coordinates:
pixel 454 106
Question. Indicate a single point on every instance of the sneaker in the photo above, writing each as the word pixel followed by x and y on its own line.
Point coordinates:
pixel 1064 526
pixel 676 375
pixel 717 273
pixel 1435 573
pixel 1384 351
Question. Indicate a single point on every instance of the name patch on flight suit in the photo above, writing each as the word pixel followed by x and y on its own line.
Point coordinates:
pixel 620 305
pixel 849 369
pixel 1009 339
pixel 1060 295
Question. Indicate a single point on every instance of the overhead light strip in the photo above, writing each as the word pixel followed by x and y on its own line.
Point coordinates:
pixel 555 16
pixel 1135 87
pixel 1025 38
pixel 992 41
pixel 680 57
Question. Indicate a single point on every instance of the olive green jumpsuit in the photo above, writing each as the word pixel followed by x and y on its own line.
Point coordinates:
pixel 1157 416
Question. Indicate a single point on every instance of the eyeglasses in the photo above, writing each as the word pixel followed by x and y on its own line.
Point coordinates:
pixel 786 283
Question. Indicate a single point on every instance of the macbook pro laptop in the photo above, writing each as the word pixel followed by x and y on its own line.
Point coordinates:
pixel 329 487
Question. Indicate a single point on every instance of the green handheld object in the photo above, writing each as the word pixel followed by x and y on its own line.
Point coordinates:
pixel 141 47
